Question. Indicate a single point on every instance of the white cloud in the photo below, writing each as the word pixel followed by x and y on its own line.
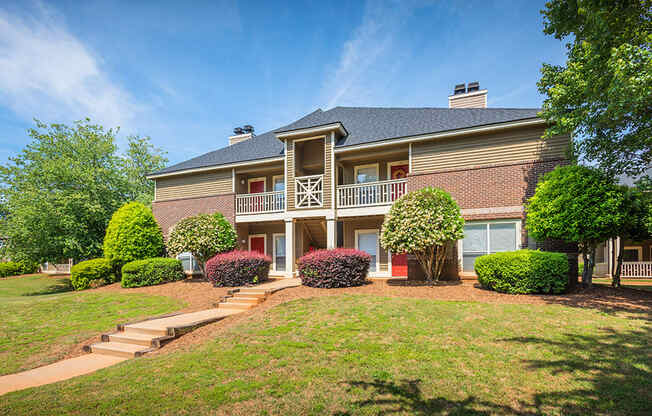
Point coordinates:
pixel 47 73
pixel 370 58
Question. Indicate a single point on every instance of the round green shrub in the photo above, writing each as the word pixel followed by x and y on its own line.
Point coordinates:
pixel 132 234
pixel 203 235
pixel 92 273
pixel 523 271
pixel 10 268
pixel 151 272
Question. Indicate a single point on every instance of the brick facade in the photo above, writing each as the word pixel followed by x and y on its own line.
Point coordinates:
pixel 168 213
pixel 498 186
pixel 494 192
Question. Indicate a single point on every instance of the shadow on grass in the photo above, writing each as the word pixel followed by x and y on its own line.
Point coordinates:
pixel 61 285
pixel 406 397
pixel 613 366
pixel 605 373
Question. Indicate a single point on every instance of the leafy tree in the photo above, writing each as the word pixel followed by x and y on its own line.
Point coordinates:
pixel 577 204
pixel 636 217
pixel 424 223
pixel 132 234
pixel 603 94
pixel 204 235
pixel 59 193
pixel 141 159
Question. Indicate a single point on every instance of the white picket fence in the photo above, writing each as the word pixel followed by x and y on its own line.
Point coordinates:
pixel 636 269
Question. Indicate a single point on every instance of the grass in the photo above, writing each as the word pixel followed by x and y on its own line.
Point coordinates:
pixel 362 355
pixel 640 284
pixel 41 320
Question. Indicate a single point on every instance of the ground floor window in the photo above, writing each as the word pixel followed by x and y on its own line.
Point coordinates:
pixel 367 241
pixel 189 263
pixel 485 238
pixel 279 252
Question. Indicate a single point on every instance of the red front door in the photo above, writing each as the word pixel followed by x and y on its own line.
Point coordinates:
pixel 256 187
pixel 257 244
pixel 399 261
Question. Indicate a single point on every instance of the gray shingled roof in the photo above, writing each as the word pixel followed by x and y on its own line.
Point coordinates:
pixel 364 125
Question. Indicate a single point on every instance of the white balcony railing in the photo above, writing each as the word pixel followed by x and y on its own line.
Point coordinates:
pixel 309 191
pixel 370 193
pixel 260 203
pixel 636 269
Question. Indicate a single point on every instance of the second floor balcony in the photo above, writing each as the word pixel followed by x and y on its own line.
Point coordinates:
pixel 260 203
pixel 370 193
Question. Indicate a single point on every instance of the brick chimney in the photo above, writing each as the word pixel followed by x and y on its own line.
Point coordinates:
pixel 468 96
pixel 240 134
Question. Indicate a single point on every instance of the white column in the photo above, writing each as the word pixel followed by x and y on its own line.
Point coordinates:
pixel 289 248
pixel 331 234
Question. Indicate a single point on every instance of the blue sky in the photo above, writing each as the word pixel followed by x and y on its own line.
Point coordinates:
pixel 186 75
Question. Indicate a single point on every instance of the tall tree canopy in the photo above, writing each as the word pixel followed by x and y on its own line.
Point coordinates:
pixel 60 192
pixel 603 94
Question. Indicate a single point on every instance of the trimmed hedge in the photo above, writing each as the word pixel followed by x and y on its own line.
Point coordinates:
pixel 15 268
pixel 151 272
pixel 238 268
pixel 523 271
pixel 342 267
pixel 92 273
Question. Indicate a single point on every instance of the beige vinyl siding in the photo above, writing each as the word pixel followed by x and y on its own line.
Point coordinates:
pixel 474 101
pixel 289 174
pixel 328 172
pixel 489 149
pixel 201 184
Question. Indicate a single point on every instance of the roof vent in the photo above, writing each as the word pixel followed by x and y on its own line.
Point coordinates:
pixel 459 89
pixel 238 130
pixel 247 128
pixel 473 86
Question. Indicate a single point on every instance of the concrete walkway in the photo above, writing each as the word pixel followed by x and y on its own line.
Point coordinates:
pixel 135 339
pixel 58 371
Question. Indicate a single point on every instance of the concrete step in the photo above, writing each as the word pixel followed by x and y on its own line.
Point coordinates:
pixel 242 299
pixel 132 338
pixel 250 291
pixel 249 294
pixel 144 329
pixel 118 349
pixel 236 305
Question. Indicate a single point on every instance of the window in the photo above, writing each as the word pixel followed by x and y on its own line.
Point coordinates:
pixel 367 241
pixel 632 253
pixel 279 252
pixel 279 183
pixel 485 238
pixel 189 263
pixel 366 173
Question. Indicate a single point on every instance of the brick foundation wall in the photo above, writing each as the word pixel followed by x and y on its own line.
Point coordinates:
pixel 168 213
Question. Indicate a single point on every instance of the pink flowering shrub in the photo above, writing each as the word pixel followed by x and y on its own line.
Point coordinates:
pixel 238 268
pixel 342 267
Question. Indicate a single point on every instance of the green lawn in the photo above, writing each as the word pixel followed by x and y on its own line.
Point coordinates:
pixel 348 354
pixel 41 320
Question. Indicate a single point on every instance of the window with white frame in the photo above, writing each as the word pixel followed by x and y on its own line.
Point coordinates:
pixel 488 237
pixel 367 241
pixel 279 183
pixel 279 252
pixel 189 263
pixel 366 173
